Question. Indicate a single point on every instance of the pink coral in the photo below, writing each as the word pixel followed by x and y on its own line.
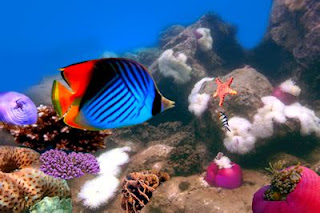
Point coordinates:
pixel 224 173
pixel 293 190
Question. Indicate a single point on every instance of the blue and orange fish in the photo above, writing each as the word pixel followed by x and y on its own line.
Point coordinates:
pixel 107 93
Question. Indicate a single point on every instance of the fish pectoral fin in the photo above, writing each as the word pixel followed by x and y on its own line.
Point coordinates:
pixel 61 98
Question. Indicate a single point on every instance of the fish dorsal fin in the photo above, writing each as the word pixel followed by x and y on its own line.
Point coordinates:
pixel 78 76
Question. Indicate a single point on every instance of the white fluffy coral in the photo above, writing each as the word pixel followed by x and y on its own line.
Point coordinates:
pixel 205 42
pixel 239 140
pixel 101 189
pixel 223 163
pixel 290 87
pixel 198 103
pixel 261 127
pixel 308 120
pixel 117 156
pixel 273 109
pixel 174 66
pixel 98 191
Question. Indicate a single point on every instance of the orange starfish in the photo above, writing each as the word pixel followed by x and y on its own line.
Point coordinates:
pixel 223 89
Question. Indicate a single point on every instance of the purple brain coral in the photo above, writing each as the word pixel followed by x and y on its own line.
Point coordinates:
pixel 59 164
pixel 22 183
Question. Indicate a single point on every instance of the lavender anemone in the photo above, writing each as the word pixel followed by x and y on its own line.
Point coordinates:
pixel 59 164
pixel 17 109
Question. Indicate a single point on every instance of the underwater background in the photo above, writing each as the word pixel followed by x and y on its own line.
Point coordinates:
pixel 244 77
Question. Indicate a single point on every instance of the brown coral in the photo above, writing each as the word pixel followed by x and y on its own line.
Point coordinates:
pixel 22 183
pixel 51 132
pixel 137 189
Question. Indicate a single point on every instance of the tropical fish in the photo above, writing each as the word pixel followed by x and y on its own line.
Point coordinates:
pixel 107 93
pixel 224 120
pixel 17 109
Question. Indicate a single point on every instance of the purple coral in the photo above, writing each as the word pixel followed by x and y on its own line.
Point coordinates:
pixel 17 109
pixel 59 164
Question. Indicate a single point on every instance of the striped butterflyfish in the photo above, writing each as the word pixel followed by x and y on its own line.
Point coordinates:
pixel 223 120
pixel 107 93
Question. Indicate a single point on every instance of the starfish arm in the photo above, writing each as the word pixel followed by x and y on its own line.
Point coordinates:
pixel 232 92
pixel 221 101
pixel 229 81
pixel 218 81
pixel 215 94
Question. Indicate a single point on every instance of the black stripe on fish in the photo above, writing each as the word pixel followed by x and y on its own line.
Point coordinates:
pixel 116 109
pixel 131 84
pixel 109 97
pixel 101 75
pixel 130 113
pixel 144 75
pixel 129 74
pixel 124 110
pixel 156 106
pixel 116 98
pixel 137 77
pixel 95 101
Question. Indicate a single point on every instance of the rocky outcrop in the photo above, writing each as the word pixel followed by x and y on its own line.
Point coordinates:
pixel 291 47
pixel 251 87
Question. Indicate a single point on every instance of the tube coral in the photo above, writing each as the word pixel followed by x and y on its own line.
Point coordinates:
pixel 51 132
pixel 198 103
pixel 239 140
pixel 59 164
pixel 101 189
pixel 174 66
pixel 205 40
pixel 17 109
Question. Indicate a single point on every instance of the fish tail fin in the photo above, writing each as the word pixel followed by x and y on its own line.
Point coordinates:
pixel 166 103
pixel 61 98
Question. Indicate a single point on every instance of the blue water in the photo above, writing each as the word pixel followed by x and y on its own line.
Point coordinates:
pixel 37 37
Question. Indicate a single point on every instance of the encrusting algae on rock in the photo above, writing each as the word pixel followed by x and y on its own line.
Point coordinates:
pixel 51 132
pixel 22 183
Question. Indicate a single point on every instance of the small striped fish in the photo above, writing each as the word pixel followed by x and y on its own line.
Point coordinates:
pixel 107 93
pixel 224 120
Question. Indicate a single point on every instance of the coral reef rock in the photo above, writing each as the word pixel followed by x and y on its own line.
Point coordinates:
pixel 300 33
pixel 22 183
pixel 291 47
pixel 250 85
pixel 51 132
pixel 225 54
